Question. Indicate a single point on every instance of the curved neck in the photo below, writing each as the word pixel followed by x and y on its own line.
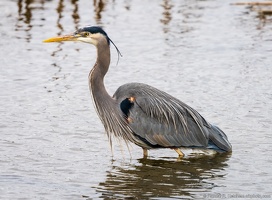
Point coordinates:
pixel 106 107
pixel 96 76
pixel 102 62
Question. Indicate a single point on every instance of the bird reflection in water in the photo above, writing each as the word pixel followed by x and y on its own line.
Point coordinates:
pixel 188 178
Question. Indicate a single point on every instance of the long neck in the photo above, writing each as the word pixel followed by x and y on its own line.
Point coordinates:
pixel 102 100
pixel 96 76
pixel 105 105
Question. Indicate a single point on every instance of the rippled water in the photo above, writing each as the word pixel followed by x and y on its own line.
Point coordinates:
pixel 212 55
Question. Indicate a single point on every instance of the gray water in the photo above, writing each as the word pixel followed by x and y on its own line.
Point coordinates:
pixel 212 55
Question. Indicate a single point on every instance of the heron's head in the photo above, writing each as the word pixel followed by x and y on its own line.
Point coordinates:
pixel 88 34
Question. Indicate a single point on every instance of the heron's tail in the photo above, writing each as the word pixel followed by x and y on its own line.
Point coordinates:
pixel 218 140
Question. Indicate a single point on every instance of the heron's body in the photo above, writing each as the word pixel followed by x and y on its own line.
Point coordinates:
pixel 142 114
pixel 158 120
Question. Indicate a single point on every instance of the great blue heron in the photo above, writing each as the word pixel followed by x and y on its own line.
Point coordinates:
pixel 142 114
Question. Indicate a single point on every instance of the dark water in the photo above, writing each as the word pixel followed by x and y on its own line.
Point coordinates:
pixel 212 55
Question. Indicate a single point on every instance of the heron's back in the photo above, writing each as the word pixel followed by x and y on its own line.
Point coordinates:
pixel 160 120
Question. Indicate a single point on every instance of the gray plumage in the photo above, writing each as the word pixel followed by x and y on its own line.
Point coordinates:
pixel 160 120
pixel 142 114
pixel 149 117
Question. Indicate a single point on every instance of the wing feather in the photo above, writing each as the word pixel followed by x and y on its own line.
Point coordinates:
pixel 163 120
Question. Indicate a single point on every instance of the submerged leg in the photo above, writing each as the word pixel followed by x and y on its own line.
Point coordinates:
pixel 179 152
pixel 145 153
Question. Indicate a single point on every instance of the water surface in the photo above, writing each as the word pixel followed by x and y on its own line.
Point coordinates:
pixel 214 56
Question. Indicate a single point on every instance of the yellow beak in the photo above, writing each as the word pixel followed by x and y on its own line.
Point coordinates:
pixel 61 38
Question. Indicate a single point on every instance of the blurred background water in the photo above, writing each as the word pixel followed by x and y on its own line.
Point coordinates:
pixel 212 55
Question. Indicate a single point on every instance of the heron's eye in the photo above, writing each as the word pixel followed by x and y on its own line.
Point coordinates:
pixel 85 34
